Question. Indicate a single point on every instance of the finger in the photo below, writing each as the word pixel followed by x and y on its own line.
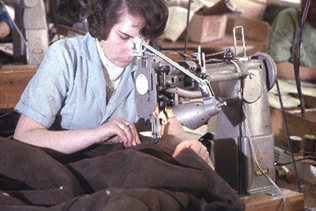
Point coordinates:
pixel 121 128
pixel 131 134
pixel 196 146
pixel 199 149
pixel 125 134
pixel 182 146
pixel 135 139
pixel 122 123
pixel 193 146
pixel 178 149
pixel 122 135
pixel 131 137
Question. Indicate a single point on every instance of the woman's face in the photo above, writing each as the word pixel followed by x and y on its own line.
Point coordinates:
pixel 118 47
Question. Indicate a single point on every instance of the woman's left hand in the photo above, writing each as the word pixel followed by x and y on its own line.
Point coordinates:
pixel 196 146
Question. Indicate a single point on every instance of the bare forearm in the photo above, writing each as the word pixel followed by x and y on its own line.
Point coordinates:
pixel 67 141
pixel 286 71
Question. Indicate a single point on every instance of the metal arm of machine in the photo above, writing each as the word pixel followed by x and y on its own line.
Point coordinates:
pixel 150 94
pixel 206 90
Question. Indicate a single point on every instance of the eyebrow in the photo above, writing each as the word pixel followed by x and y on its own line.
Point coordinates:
pixel 123 33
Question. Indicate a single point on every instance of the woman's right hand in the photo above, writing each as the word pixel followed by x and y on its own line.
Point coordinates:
pixel 120 130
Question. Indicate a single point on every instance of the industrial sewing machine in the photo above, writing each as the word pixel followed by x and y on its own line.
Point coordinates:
pixel 235 89
pixel 30 34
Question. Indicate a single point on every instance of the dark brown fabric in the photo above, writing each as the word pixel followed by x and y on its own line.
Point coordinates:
pixel 111 177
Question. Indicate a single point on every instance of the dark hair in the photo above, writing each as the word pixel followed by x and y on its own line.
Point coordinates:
pixel 104 14
pixel 67 12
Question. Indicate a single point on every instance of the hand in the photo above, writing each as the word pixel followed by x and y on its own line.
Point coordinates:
pixel 120 130
pixel 196 146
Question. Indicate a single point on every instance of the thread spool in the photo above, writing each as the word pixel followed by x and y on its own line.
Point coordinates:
pixel 309 144
pixel 295 142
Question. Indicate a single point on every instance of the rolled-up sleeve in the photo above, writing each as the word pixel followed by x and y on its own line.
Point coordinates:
pixel 43 97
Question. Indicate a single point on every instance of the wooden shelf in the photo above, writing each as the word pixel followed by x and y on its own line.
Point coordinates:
pixel 294 202
pixel 13 80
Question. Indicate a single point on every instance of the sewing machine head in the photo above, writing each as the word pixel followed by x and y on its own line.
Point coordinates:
pixel 195 90
pixel 163 85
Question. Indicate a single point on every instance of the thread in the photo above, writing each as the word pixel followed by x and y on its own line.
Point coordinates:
pixel 295 142
pixel 309 144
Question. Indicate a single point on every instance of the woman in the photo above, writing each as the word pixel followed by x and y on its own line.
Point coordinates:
pixel 83 92
pixel 283 37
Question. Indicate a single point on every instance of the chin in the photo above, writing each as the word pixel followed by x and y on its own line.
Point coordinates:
pixel 123 63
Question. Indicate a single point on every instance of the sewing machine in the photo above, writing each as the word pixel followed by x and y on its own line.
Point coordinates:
pixel 30 35
pixel 234 89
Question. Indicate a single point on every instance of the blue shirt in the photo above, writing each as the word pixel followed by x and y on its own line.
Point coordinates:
pixel 68 89
pixel 4 17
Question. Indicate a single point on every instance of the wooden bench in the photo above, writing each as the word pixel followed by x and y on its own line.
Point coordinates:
pixel 13 80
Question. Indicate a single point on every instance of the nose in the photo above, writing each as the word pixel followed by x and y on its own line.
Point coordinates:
pixel 130 46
